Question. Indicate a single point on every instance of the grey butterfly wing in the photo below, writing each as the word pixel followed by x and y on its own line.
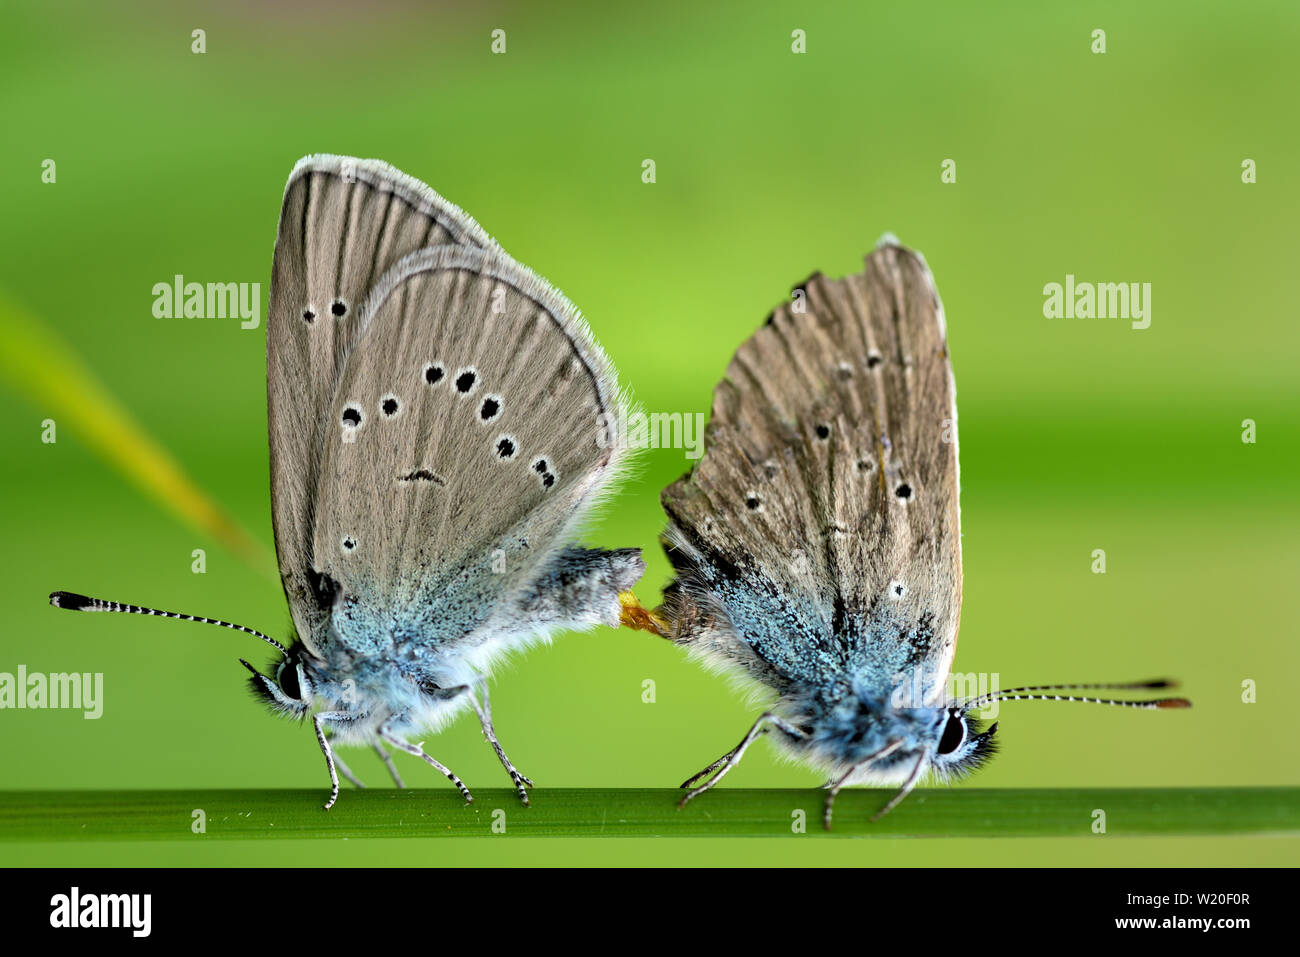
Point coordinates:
pixel 819 537
pixel 344 222
pixel 474 421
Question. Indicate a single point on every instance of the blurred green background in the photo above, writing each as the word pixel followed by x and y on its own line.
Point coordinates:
pixel 1075 434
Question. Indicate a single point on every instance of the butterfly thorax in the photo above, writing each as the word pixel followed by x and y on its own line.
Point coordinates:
pixel 848 722
pixel 395 690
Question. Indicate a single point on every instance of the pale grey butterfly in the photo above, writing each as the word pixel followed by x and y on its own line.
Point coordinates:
pixel 440 420
pixel 817 543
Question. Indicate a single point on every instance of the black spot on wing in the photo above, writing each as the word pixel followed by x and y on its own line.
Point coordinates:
pixel 423 475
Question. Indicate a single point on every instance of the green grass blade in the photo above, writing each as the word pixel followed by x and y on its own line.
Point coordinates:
pixel 579 812
pixel 47 372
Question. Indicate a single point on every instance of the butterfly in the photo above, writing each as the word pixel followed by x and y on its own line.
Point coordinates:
pixel 817 543
pixel 440 421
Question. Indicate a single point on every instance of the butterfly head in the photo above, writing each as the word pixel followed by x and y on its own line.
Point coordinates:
pixel 289 690
pixel 856 731
pixel 957 744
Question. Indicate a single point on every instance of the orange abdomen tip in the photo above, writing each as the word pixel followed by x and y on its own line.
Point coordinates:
pixel 635 616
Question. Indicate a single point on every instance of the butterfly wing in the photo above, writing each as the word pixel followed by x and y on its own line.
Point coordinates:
pixel 474 420
pixel 344 223
pixel 819 534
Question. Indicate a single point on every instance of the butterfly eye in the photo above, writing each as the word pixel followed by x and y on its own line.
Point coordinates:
pixel 954 733
pixel 287 678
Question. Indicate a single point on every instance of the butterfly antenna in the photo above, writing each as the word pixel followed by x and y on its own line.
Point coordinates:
pixel 74 602
pixel 1052 693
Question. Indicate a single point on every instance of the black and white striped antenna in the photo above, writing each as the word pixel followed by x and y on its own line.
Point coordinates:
pixel 74 602
pixel 1053 693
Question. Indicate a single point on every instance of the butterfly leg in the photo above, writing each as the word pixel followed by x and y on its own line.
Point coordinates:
pixel 347 773
pixel 484 711
pixel 904 791
pixel 318 720
pixel 724 764
pixel 418 751
pixel 834 786
pixel 388 763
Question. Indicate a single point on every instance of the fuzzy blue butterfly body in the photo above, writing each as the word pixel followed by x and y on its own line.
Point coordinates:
pixel 440 421
pixel 817 544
